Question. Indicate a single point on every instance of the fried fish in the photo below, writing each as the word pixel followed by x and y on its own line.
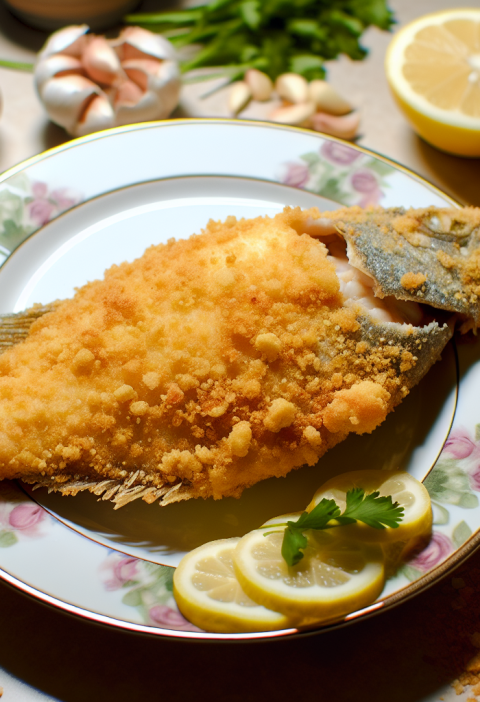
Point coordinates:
pixel 239 354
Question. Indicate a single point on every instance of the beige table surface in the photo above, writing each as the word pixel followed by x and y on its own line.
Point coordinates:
pixel 411 653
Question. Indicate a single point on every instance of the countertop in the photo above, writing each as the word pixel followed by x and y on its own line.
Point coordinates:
pixel 413 652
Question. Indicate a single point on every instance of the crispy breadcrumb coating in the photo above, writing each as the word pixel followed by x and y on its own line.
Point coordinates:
pixel 207 364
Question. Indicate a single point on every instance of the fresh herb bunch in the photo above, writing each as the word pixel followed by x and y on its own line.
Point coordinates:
pixel 373 510
pixel 274 36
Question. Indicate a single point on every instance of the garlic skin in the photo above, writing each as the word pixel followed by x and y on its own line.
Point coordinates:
pixel 68 98
pixel 88 83
pixel 69 41
pixel 56 65
pixel 135 42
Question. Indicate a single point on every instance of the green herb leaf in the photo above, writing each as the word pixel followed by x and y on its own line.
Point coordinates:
pixel 293 542
pixel 372 12
pixel 16 65
pixel 307 65
pixel 283 35
pixel 373 510
pixel 180 18
pixel 250 12
pixel 319 517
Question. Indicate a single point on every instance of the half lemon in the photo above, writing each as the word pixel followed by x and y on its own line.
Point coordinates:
pixel 433 69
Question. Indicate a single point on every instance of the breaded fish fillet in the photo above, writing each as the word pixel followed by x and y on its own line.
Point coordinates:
pixel 210 364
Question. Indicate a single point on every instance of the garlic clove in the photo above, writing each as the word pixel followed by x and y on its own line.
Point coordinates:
pixel 66 97
pixel 101 62
pixel 292 87
pixel 260 84
pixel 158 101
pixel 56 65
pixel 139 70
pixel 295 115
pixel 344 127
pixel 137 43
pixel 164 80
pixel 239 97
pixel 69 40
pixel 128 93
pixel 327 99
pixel 98 114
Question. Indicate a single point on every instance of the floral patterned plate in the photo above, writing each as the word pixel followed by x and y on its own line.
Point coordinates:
pixel 66 215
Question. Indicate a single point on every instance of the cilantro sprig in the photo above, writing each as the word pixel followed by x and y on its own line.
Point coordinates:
pixel 371 509
pixel 274 36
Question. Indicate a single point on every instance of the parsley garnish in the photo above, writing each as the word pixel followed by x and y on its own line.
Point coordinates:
pixel 274 36
pixel 373 510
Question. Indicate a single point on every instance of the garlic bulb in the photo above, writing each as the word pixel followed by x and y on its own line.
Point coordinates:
pixel 87 82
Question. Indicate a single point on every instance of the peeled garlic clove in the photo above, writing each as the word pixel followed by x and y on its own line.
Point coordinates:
pixel 295 115
pixel 344 127
pixel 69 40
pixel 261 86
pixel 292 87
pixel 98 114
pixel 135 42
pixel 56 65
pixel 327 99
pixel 101 62
pixel 66 97
pixel 158 101
pixel 239 97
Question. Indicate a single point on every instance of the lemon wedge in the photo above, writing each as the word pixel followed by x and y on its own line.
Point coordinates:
pixel 335 576
pixel 403 488
pixel 433 69
pixel 208 594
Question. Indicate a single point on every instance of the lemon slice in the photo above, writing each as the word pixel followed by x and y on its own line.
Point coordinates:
pixel 433 68
pixel 404 489
pixel 208 594
pixel 335 576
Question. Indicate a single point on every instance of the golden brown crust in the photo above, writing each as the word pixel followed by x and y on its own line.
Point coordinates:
pixel 207 364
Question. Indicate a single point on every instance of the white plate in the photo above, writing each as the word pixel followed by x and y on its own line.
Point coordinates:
pixel 70 213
